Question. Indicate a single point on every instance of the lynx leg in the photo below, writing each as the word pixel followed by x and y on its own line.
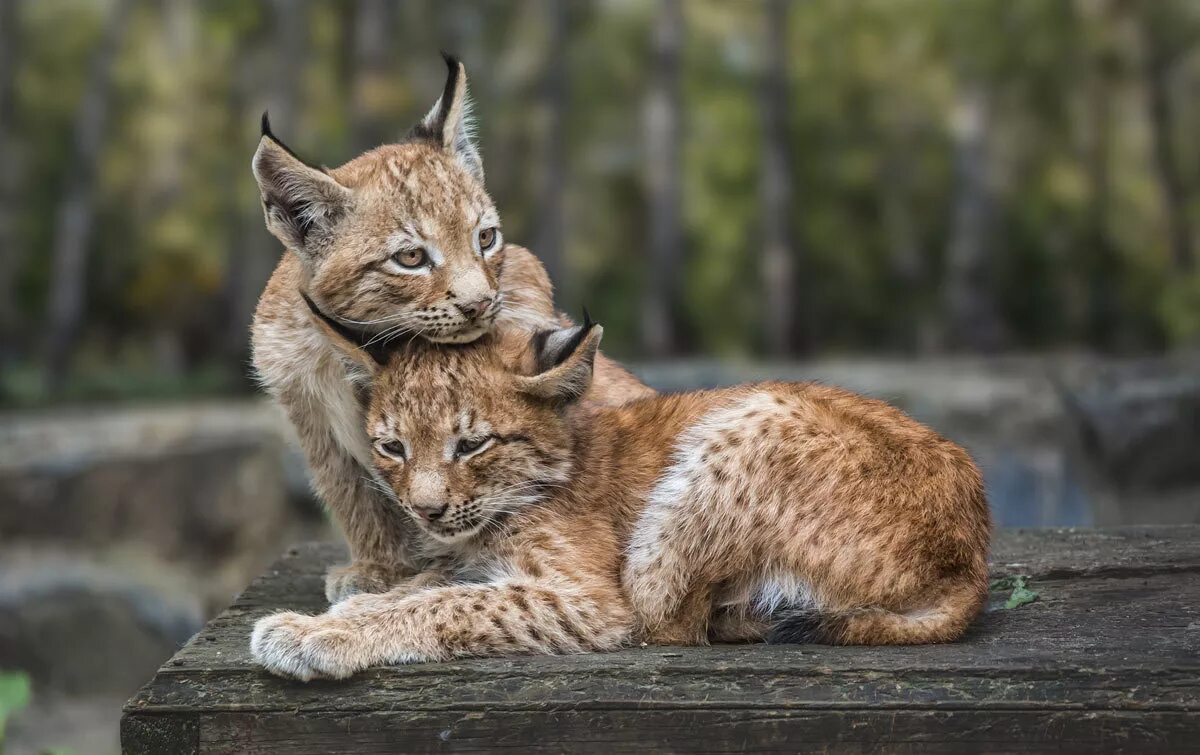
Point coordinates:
pixel 359 577
pixel 376 530
pixel 665 573
pixel 439 624
pixel 699 512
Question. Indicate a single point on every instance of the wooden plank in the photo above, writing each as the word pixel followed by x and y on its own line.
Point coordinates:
pixel 1073 647
pixel 1107 659
pixel 160 733
pixel 1124 551
pixel 710 731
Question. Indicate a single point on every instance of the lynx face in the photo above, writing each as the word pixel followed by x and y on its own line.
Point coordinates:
pixel 402 239
pixel 456 457
pixel 418 250
pixel 465 435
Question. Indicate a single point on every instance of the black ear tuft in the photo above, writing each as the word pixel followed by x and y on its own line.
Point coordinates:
pixel 540 351
pixel 571 345
pixel 374 347
pixel 447 94
pixel 448 89
pixel 268 133
pixel 553 347
pixel 565 359
pixel 448 122
pixel 433 125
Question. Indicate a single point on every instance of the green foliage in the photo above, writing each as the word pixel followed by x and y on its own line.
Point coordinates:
pixel 1079 247
pixel 721 278
pixel 15 690
pixel 1181 309
pixel 1019 592
pixel 123 379
pixel 15 693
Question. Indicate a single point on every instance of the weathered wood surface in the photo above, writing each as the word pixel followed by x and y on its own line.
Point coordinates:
pixel 1105 661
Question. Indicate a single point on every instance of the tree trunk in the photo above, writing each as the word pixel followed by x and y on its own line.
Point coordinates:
pixel 972 320
pixel 76 210
pixel 166 173
pixel 247 248
pixel 912 327
pixel 779 244
pixel 289 44
pixel 253 252
pixel 373 37
pixel 550 213
pixel 660 297
pixel 1100 267
pixel 516 77
pixel 1157 64
pixel 11 256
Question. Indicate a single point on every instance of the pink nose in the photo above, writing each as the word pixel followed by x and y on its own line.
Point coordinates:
pixel 475 307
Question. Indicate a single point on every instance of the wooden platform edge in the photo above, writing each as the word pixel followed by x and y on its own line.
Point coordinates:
pixel 388 709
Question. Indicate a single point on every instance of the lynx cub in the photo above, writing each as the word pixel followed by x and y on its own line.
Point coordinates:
pixel 789 512
pixel 401 241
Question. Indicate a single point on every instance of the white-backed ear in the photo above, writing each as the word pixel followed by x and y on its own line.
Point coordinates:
pixel 449 123
pixel 564 360
pixel 301 203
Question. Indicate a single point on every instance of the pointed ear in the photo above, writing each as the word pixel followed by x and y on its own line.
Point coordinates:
pixel 364 349
pixel 449 123
pixel 564 360
pixel 301 202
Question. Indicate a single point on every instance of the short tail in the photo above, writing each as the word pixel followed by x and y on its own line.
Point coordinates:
pixel 945 621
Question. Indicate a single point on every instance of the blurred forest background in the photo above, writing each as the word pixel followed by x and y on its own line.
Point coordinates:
pixel 718 178
pixel 985 211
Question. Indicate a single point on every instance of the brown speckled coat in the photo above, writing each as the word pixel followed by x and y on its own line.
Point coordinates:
pixel 791 512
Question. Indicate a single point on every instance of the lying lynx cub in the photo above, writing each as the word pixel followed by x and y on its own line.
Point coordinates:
pixel 789 512
pixel 401 241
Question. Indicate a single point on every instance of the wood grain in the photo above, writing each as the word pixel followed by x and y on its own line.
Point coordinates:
pixel 1105 661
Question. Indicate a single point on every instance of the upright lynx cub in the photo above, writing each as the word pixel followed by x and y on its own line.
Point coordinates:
pixel 402 241
pixel 789 512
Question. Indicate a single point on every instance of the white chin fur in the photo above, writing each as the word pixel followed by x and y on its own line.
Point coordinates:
pixel 464 336
pixel 457 537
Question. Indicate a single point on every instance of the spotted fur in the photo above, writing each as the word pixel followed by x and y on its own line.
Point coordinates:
pixel 787 512
pixel 344 228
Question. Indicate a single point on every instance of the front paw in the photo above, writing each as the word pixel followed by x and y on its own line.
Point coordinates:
pixel 360 577
pixel 305 647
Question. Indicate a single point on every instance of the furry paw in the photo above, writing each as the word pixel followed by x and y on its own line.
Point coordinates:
pixel 360 577
pixel 305 647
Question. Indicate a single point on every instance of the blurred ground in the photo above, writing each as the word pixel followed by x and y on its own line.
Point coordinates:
pixel 125 528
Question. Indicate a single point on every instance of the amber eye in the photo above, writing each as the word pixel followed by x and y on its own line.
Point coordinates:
pixel 487 239
pixel 410 257
pixel 392 448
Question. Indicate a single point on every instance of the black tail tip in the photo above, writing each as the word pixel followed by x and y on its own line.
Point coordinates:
pixel 799 628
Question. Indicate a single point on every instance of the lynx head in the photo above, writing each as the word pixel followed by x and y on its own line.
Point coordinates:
pixel 464 435
pixel 402 239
